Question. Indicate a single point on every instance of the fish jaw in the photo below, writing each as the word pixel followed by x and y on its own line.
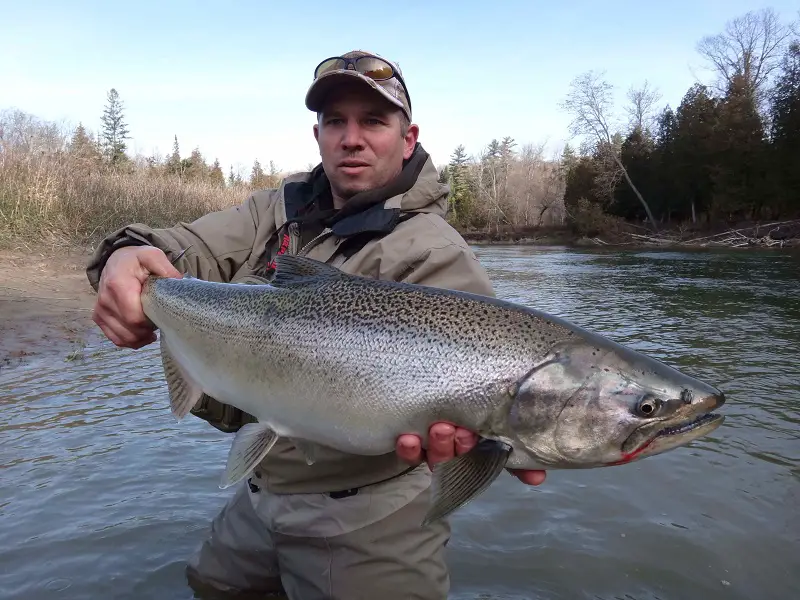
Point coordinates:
pixel 598 404
pixel 656 438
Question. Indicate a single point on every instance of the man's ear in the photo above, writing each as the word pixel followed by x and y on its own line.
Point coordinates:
pixel 410 141
pixel 316 132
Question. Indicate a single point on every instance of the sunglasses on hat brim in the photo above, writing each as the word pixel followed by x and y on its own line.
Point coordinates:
pixel 367 65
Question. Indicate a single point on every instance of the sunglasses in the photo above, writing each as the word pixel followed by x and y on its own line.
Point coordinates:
pixel 370 66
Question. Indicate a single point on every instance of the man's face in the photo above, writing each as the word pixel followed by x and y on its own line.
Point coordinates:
pixel 360 141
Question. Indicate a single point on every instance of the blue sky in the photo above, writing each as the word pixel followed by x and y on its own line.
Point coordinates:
pixel 230 77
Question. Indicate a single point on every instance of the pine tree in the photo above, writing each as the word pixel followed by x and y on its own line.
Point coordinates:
pixel 215 174
pixel 174 164
pixel 459 199
pixel 115 130
pixel 785 132
pixel 257 177
pixel 739 144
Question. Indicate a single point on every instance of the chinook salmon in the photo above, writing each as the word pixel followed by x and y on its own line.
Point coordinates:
pixel 327 358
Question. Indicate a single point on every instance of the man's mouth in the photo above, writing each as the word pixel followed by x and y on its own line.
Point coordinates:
pixel 353 164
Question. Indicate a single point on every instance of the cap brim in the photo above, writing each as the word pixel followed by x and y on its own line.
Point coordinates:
pixel 319 90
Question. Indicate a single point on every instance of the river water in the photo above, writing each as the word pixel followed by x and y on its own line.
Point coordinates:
pixel 103 495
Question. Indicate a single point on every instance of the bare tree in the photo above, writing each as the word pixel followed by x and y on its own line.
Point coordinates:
pixel 750 46
pixel 590 104
pixel 641 110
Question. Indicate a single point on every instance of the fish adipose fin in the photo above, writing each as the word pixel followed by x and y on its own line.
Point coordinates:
pixel 183 392
pixel 299 269
pixel 252 443
pixel 461 479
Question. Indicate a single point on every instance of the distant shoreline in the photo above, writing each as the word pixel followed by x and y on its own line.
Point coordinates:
pixel 783 235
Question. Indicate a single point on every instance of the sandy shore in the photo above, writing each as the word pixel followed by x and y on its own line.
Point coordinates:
pixel 45 306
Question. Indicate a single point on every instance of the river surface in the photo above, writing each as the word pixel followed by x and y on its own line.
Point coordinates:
pixel 104 495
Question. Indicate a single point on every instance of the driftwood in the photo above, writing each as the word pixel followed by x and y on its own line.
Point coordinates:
pixel 733 238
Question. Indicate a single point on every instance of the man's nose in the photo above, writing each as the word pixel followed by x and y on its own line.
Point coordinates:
pixel 351 137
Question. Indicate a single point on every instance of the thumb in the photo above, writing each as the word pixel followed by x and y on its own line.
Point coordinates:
pixel 157 263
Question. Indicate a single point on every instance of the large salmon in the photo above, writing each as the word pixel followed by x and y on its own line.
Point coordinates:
pixel 323 357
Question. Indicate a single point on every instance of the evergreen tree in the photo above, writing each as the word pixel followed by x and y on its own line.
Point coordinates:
pixel 694 152
pixel 257 177
pixel 215 174
pixel 457 179
pixel 115 130
pixel 636 155
pixel 785 132
pixel 82 147
pixel 195 166
pixel 174 165
pixel 738 175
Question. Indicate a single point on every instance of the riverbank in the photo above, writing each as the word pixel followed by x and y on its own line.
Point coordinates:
pixel 750 235
pixel 45 306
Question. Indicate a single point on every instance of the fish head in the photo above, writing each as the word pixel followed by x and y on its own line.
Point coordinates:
pixel 597 403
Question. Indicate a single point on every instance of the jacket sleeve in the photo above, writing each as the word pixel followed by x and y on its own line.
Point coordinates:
pixel 450 266
pixel 216 244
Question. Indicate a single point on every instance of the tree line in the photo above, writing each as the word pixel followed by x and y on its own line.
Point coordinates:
pixel 107 149
pixel 729 152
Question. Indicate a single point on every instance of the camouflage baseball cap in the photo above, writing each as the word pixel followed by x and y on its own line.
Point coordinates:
pixel 380 74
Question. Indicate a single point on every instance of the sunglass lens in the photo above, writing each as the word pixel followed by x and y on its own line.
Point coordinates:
pixel 374 68
pixel 332 64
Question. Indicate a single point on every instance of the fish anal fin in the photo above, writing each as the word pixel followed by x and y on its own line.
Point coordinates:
pixel 184 393
pixel 461 479
pixel 250 445
pixel 300 269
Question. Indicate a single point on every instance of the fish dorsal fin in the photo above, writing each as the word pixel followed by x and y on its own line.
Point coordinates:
pixel 293 269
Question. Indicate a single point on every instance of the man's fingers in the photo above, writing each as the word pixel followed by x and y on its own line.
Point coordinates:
pixel 122 335
pixel 529 477
pixel 409 449
pixel 157 263
pixel 441 443
pixel 465 441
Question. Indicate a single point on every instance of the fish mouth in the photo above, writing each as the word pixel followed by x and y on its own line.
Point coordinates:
pixel 701 421
pixel 669 437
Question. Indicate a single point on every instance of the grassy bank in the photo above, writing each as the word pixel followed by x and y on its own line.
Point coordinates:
pixel 57 200
pixel 52 200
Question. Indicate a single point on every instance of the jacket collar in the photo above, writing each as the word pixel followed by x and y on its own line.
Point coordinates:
pixel 307 200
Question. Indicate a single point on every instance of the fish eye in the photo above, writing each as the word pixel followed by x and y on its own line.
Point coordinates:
pixel 648 406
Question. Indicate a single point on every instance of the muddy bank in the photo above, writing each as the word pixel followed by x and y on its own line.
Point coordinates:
pixel 45 306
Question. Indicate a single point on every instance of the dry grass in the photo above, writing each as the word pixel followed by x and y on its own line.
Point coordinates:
pixel 55 199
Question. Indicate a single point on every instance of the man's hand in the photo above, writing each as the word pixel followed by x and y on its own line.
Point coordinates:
pixel 118 310
pixel 447 441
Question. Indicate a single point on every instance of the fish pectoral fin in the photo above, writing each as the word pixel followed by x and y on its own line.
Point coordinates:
pixel 292 269
pixel 250 445
pixel 307 449
pixel 184 393
pixel 461 479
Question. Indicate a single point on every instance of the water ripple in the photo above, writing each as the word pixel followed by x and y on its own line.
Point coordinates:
pixel 104 495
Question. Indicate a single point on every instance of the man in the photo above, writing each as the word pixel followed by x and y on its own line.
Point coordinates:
pixel 346 527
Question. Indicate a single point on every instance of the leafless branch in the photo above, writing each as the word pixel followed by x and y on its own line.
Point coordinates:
pixel 641 110
pixel 750 46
